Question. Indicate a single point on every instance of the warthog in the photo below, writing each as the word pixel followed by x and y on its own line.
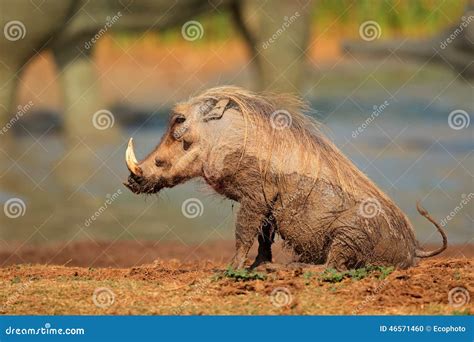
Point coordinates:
pixel 262 151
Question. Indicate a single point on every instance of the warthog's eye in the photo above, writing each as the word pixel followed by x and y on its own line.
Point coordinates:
pixel 179 119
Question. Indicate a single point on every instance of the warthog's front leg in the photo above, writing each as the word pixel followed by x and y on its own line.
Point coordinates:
pixel 266 236
pixel 247 227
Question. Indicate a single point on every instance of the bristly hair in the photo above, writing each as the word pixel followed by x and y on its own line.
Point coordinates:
pixel 301 136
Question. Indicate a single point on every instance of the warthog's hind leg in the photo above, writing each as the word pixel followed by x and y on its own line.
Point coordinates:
pixel 347 250
pixel 351 246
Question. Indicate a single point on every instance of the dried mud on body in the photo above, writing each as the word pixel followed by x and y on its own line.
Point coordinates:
pixel 201 288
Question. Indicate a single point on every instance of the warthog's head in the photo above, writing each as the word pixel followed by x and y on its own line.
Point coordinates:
pixel 227 129
pixel 183 149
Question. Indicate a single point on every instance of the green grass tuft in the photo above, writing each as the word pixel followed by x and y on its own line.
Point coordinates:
pixel 331 275
pixel 243 274
pixel 465 312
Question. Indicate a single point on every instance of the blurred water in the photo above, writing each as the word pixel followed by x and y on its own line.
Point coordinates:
pixel 408 150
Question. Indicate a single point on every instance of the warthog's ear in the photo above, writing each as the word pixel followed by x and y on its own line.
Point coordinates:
pixel 217 111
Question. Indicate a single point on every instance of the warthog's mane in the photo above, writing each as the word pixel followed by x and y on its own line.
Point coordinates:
pixel 302 136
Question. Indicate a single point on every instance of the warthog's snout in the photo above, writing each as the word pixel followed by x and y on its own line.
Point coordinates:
pixel 141 185
pixel 137 182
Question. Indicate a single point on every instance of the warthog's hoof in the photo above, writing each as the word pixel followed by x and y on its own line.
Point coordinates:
pixel 268 267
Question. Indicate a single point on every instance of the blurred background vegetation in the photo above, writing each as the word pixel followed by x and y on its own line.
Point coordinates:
pixel 415 18
pixel 408 150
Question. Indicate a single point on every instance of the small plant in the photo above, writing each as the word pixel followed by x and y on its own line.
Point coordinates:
pixel 307 276
pixel 465 312
pixel 243 274
pixel 333 276
pixel 358 273
pixel 385 271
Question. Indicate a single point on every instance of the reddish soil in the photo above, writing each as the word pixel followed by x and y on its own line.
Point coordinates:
pixel 135 253
pixel 190 280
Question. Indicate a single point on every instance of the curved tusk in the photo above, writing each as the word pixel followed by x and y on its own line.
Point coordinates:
pixel 131 160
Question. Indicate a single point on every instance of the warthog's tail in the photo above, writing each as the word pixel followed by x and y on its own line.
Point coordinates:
pixel 426 254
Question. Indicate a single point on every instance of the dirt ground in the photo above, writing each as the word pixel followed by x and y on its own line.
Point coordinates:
pixel 194 282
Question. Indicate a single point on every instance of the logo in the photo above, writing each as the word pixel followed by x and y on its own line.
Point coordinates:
pixel 280 119
pixel 458 296
pixel 14 208
pixel 192 30
pixel 192 208
pixel 370 208
pixel 14 30
pixel 458 119
pixel 370 30
pixel 281 296
pixel 103 297
pixel 103 119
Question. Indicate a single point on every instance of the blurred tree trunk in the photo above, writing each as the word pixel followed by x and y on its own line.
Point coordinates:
pixel 81 94
pixel 278 35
